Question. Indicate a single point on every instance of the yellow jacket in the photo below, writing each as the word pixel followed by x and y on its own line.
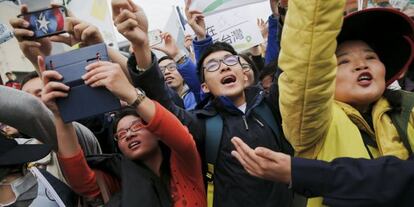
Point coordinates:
pixel 317 126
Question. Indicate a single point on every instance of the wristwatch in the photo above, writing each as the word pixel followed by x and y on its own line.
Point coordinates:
pixel 140 97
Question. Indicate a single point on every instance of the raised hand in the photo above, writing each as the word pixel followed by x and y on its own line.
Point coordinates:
pixel 130 20
pixel 52 89
pixel 30 48
pixel 79 32
pixel 169 47
pixel 262 162
pixel 196 21
pixel 188 42
pixel 111 76
pixel 263 26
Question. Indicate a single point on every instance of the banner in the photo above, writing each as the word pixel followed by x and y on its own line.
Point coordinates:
pixel 212 6
pixel 234 27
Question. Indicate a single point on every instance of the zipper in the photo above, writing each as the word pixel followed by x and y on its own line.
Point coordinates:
pixel 259 122
pixel 245 122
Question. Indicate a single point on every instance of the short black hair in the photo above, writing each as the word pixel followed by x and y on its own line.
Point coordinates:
pixel 165 58
pixel 127 111
pixel 28 77
pixel 8 73
pixel 217 46
pixel 269 69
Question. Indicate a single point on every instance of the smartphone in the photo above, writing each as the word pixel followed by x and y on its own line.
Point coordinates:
pixel 46 22
pixel 154 37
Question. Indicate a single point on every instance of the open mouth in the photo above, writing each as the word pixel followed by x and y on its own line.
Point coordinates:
pixel 168 79
pixel 134 144
pixel 228 79
pixel 365 77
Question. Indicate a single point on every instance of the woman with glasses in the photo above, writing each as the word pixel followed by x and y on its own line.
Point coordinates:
pixel 159 164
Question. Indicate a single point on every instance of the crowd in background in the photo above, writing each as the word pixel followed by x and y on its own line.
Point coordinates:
pixel 320 114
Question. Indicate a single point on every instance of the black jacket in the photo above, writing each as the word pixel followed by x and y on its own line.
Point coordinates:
pixel 233 186
pixel 139 185
pixel 386 181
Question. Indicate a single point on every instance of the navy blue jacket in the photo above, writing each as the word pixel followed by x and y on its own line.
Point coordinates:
pixel 386 181
pixel 233 186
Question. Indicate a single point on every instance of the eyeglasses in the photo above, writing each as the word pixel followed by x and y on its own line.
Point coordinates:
pixel 214 64
pixel 246 66
pixel 135 126
pixel 170 67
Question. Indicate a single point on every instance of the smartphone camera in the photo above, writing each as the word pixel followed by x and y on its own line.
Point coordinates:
pixel 46 22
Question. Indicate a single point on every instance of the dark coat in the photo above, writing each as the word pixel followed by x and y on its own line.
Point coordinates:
pixel 386 181
pixel 233 186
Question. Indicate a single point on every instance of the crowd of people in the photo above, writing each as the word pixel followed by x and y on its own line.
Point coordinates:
pixel 320 115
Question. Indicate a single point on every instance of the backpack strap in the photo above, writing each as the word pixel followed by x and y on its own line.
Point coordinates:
pixel 214 130
pixel 264 111
pixel 401 118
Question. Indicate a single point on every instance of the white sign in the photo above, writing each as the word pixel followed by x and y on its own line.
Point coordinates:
pixel 213 6
pixel 234 27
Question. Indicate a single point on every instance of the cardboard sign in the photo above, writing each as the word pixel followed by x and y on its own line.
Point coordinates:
pixel 213 6
pixel 234 27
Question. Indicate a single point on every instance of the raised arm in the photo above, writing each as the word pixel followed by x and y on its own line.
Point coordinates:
pixel 80 177
pixel 26 113
pixel 308 83
pixel 147 76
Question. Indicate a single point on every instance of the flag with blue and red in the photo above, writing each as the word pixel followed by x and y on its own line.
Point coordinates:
pixel 46 22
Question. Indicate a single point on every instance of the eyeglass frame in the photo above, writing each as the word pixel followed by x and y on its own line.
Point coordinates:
pixel 138 121
pixel 165 68
pixel 220 62
pixel 243 65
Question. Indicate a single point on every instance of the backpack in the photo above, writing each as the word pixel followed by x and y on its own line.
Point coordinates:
pixel 214 130
pixel 400 116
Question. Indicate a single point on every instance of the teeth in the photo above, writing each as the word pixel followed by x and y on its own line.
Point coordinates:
pixel 133 144
pixel 364 77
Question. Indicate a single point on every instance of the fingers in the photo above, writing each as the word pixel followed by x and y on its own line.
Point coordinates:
pixel 187 4
pixel 62 38
pixel 91 31
pixel 41 64
pixel 24 9
pixel 268 154
pixel 123 16
pixel 54 90
pixel 96 72
pixel 126 26
pixel 21 28
pixel 19 23
pixel 245 152
pixel 70 23
pixel 118 6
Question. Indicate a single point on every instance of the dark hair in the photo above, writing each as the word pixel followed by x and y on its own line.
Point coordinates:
pixel 217 46
pixel 165 150
pixel 165 58
pixel 8 73
pixel 253 66
pixel 269 69
pixel 28 77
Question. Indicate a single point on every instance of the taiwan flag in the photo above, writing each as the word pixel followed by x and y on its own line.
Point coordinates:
pixel 47 21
